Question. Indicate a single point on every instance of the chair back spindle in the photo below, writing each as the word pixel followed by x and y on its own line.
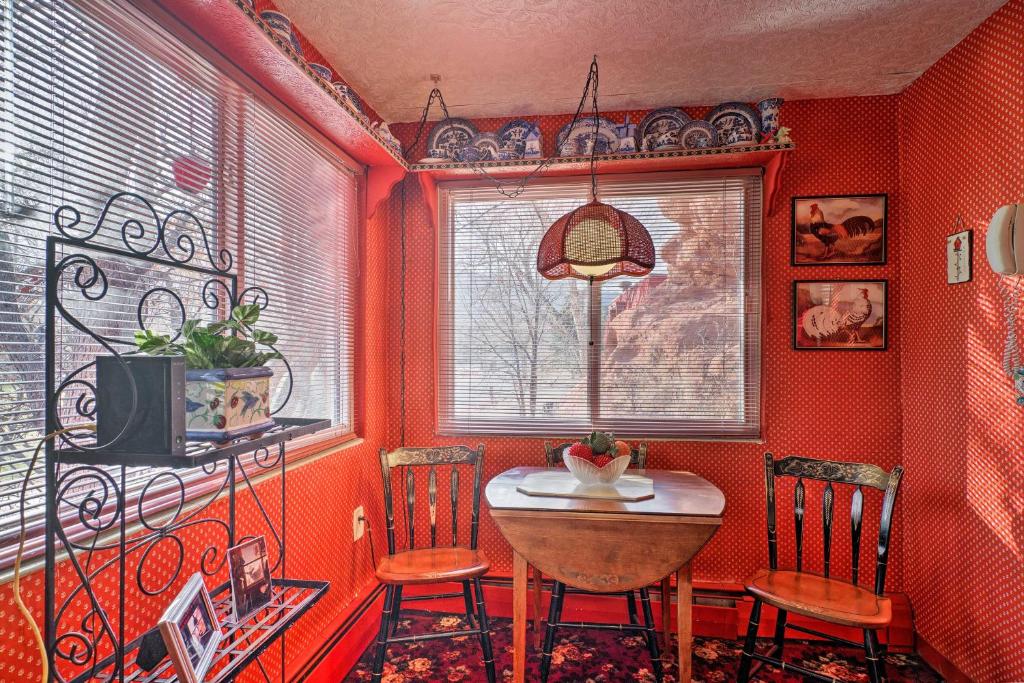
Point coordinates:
pixel 454 489
pixel 431 459
pixel 833 473
pixel 856 517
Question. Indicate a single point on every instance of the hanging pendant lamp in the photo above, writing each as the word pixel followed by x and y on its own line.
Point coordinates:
pixel 596 241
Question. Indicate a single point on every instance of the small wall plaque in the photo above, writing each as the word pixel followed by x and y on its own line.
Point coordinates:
pixel 958 255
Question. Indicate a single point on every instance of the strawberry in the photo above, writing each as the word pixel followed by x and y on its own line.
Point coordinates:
pixel 580 450
pixel 602 460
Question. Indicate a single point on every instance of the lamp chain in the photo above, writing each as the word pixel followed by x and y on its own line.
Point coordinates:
pixel 514 188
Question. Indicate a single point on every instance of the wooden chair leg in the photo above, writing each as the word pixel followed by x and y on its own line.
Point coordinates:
pixel 467 597
pixel 485 632
pixel 396 609
pixel 631 608
pixel 876 665
pixel 554 616
pixel 538 605
pixel 651 634
pixel 780 632
pixel 666 612
pixel 382 635
pixel 747 658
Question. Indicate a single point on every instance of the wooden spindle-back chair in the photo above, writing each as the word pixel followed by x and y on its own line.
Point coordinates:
pixel 822 596
pixel 553 457
pixel 434 564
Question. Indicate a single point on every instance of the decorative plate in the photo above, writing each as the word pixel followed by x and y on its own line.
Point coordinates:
pixel 320 70
pixel 737 124
pixel 449 137
pixel 698 135
pixel 487 145
pixel 519 139
pixel 607 139
pixel 350 96
pixel 659 130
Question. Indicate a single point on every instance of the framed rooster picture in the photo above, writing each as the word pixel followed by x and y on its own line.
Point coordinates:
pixel 840 230
pixel 840 315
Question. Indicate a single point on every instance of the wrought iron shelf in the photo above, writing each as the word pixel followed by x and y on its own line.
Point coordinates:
pixel 198 452
pixel 241 643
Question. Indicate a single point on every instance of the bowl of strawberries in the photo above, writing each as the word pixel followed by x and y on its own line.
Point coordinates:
pixel 597 459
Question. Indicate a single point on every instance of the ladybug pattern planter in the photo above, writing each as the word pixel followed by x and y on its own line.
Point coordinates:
pixel 225 403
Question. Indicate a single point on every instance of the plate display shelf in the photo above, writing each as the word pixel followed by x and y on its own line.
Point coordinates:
pixel 123 530
pixel 770 158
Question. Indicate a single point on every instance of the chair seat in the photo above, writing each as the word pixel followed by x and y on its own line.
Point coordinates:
pixel 432 565
pixel 832 600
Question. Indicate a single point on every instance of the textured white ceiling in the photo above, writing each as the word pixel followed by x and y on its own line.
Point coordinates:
pixel 504 57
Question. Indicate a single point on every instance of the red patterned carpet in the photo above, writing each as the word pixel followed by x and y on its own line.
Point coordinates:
pixel 603 657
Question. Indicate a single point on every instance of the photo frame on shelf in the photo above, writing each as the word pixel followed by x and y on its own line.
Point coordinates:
pixel 959 254
pixel 250 577
pixel 840 315
pixel 191 631
pixel 847 230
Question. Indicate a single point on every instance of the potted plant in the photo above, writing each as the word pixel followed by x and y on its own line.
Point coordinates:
pixel 227 388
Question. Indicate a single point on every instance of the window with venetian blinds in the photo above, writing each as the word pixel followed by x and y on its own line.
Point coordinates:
pixel 96 99
pixel 673 354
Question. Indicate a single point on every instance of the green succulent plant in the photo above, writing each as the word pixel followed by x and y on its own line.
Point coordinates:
pixel 601 443
pixel 231 343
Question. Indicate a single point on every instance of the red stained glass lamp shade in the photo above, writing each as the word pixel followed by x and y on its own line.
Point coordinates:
pixel 595 242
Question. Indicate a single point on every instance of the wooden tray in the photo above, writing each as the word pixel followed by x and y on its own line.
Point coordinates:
pixel 561 484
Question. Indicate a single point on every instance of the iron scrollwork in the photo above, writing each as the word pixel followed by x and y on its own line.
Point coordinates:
pixel 109 524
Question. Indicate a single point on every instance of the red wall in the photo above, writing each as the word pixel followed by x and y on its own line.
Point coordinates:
pixel 962 152
pixel 822 404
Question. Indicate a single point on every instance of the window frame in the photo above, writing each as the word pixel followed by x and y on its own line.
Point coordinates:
pixel 750 430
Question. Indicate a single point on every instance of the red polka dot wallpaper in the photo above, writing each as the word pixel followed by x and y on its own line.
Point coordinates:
pixel 823 404
pixel 962 153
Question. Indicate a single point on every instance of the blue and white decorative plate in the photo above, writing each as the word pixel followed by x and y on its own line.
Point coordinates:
pixel 519 139
pixel 320 70
pixel 487 145
pixel 737 124
pixel 449 137
pixel 349 95
pixel 579 143
pixel 659 130
pixel 698 135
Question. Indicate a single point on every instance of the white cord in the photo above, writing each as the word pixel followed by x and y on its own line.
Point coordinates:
pixel 1011 352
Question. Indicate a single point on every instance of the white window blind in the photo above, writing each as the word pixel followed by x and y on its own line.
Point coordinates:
pixel 97 99
pixel 674 354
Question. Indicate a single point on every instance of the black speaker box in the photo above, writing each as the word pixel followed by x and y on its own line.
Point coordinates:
pixel 157 426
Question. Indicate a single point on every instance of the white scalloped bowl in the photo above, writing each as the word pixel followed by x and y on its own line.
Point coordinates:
pixel 589 474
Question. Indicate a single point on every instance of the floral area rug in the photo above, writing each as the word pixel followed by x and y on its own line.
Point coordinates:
pixel 593 656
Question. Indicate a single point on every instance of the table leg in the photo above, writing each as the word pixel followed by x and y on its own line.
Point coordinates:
pixel 684 617
pixel 519 585
pixel 538 605
pixel 666 612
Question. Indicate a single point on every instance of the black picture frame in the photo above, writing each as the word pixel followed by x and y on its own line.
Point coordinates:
pixel 795 320
pixel 794 202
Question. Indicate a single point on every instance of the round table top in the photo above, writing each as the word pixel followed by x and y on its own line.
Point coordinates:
pixel 682 494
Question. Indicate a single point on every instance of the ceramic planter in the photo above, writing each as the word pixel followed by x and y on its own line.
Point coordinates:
pixel 226 403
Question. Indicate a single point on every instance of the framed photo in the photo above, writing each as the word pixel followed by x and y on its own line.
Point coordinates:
pixel 190 631
pixel 959 253
pixel 250 577
pixel 840 315
pixel 840 230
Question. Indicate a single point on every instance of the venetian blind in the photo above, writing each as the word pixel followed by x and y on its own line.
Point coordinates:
pixel 97 99
pixel 673 354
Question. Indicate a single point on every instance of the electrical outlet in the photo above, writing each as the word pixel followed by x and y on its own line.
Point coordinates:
pixel 358 527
